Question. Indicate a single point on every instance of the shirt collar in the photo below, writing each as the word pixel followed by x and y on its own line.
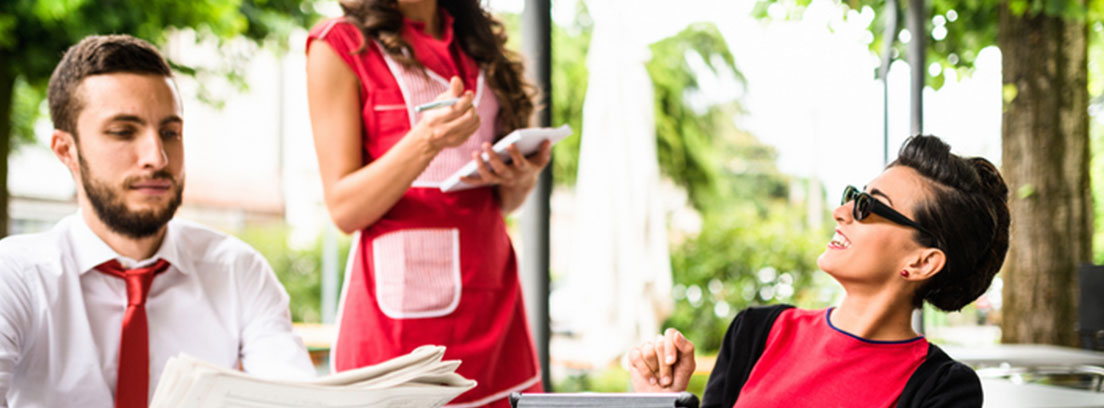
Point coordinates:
pixel 418 27
pixel 90 251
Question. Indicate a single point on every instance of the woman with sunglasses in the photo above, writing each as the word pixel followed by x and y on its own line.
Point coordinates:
pixel 933 227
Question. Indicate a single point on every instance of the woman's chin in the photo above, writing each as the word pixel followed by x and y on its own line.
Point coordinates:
pixel 824 260
pixel 829 262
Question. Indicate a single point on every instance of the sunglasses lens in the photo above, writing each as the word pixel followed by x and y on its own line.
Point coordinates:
pixel 849 194
pixel 862 207
pixel 862 202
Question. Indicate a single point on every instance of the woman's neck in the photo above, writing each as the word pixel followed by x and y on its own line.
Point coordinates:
pixel 882 318
pixel 424 12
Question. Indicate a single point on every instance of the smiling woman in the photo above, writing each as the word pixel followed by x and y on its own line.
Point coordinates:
pixel 933 227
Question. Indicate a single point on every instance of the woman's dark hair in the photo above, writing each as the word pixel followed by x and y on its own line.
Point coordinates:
pixel 967 210
pixel 478 34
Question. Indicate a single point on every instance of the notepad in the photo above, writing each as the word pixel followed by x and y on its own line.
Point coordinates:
pixel 528 141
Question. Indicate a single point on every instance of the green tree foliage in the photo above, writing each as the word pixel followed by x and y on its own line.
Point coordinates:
pixel 756 244
pixel 743 258
pixel 35 33
pixel 1096 133
pixel 750 225
pixel 685 139
pixel 569 84
pixel 1097 168
pixel 1043 106
pixel 956 30
pixel 299 270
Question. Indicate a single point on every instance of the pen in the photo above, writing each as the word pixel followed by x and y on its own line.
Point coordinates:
pixel 436 104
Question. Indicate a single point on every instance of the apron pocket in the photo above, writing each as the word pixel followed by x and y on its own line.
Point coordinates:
pixel 417 272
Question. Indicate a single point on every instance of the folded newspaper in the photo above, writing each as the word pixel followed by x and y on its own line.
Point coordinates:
pixel 418 379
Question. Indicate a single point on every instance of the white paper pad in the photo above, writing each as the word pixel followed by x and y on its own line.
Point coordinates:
pixel 528 140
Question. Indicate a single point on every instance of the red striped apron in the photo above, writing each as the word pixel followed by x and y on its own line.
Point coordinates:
pixel 438 268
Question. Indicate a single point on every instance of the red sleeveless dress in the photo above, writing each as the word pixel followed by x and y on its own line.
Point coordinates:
pixel 437 268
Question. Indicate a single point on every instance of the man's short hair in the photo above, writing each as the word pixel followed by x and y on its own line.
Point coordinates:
pixel 97 55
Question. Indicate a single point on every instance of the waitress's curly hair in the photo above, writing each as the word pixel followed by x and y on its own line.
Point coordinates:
pixel 478 34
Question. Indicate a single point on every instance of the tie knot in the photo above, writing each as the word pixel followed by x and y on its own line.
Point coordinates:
pixel 138 280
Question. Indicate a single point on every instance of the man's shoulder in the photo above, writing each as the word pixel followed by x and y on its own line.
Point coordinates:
pixel 206 245
pixel 23 252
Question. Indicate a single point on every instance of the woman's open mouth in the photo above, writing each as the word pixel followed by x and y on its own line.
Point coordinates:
pixel 839 241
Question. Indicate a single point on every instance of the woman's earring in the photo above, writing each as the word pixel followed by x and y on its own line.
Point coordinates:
pixel 904 273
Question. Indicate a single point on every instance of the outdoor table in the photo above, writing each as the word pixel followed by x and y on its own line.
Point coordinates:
pixel 1003 393
pixel 317 338
pixel 1024 355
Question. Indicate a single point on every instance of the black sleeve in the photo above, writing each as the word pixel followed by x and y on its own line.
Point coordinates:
pixel 743 344
pixel 941 382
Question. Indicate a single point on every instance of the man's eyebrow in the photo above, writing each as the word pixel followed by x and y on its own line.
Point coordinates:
pixel 875 191
pixel 122 117
pixel 171 119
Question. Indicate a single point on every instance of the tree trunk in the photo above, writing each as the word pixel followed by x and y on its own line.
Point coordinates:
pixel 1045 155
pixel 7 90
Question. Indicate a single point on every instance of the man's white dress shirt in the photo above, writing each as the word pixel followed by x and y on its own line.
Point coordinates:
pixel 60 319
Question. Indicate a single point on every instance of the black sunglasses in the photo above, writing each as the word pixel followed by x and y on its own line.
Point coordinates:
pixel 866 204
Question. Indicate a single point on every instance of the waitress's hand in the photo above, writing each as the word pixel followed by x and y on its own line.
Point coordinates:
pixel 520 173
pixel 449 126
pixel 662 365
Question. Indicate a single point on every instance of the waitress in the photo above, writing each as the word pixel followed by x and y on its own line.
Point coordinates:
pixel 427 267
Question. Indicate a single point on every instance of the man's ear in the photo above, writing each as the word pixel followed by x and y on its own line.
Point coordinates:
pixel 64 146
pixel 927 263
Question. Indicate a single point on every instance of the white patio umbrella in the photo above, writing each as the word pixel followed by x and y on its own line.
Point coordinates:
pixel 620 275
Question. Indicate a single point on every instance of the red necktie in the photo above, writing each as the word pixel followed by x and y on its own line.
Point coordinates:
pixel 132 385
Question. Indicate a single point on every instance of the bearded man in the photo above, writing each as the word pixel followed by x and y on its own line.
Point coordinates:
pixel 91 310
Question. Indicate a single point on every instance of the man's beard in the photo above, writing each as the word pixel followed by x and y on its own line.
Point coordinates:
pixel 112 209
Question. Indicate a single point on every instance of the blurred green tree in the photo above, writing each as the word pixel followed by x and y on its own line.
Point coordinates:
pixel 686 139
pixel 1096 129
pixel 757 243
pixel 35 33
pixel 298 269
pixel 1044 134
pixel 751 224
pixel 744 257
pixel 1096 134
pixel 569 84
